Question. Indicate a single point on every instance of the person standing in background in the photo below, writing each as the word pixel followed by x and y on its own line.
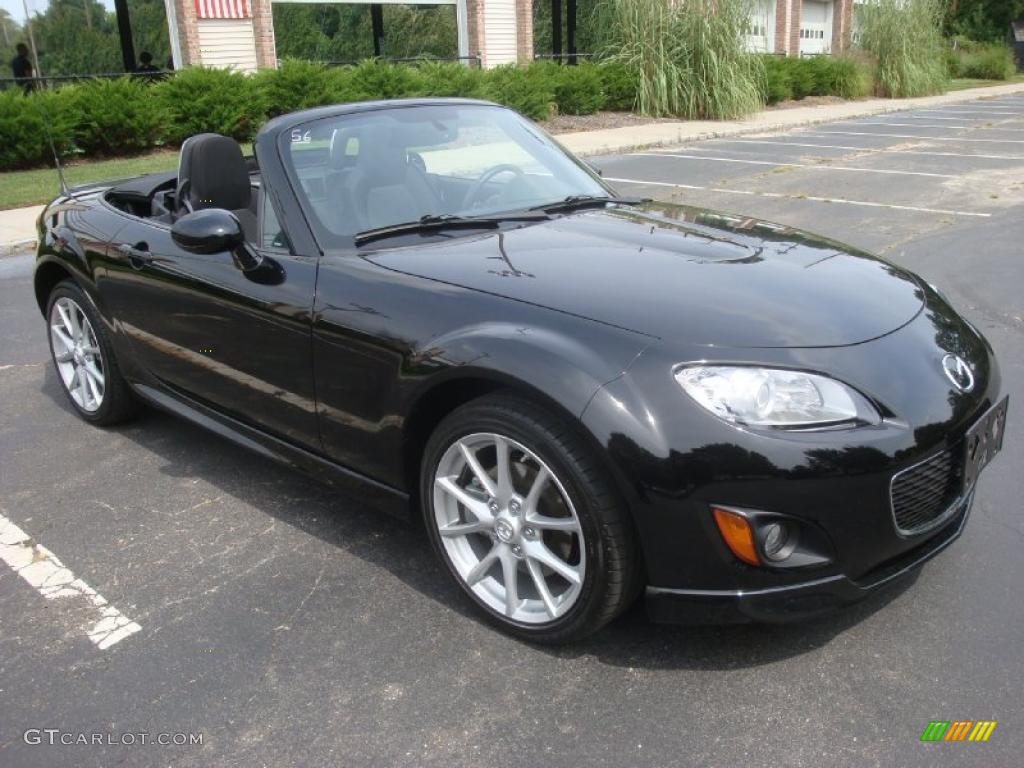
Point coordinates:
pixel 21 66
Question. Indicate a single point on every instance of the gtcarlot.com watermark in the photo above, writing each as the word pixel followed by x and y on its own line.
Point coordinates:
pixel 54 736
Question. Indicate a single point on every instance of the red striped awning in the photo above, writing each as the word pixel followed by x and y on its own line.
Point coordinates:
pixel 223 9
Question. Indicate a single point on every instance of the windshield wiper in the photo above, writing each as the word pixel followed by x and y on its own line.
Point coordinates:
pixel 433 222
pixel 585 201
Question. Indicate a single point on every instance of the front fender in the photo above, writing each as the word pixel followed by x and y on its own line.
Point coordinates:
pixel 566 369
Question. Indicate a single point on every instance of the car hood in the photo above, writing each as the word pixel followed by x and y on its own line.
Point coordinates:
pixel 681 274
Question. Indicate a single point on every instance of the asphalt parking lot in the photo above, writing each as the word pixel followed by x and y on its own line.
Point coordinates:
pixel 289 626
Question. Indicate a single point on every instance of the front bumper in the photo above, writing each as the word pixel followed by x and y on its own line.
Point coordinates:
pixel 802 600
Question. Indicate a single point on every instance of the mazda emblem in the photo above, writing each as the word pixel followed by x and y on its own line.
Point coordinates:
pixel 959 372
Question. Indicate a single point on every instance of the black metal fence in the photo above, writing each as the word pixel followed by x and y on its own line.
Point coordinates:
pixel 34 83
pixel 49 81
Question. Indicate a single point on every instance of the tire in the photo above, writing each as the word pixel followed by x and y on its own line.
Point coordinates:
pixel 115 402
pixel 581 520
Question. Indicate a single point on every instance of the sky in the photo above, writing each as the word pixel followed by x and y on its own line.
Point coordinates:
pixel 17 10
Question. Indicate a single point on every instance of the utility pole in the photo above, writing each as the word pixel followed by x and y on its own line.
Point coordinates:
pixel 88 13
pixel 36 72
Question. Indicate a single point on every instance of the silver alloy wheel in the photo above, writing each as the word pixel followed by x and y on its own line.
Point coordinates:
pixel 509 528
pixel 77 354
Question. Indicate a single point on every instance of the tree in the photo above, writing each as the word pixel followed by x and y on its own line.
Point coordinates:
pixel 79 37
pixel 984 20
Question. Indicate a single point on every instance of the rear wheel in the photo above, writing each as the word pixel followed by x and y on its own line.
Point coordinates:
pixel 526 522
pixel 84 358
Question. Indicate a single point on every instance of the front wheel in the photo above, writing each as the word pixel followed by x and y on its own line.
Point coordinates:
pixel 525 520
pixel 84 358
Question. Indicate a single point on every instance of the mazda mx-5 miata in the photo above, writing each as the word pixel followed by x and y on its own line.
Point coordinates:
pixel 584 397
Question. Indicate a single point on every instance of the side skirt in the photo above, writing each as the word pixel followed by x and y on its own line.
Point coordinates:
pixel 366 489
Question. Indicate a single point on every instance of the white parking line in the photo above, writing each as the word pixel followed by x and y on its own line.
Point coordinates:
pixel 936 117
pixel 42 570
pixel 963 109
pixel 918 125
pixel 853 149
pixel 751 193
pixel 899 125
pixel 794 165
pixel 908 136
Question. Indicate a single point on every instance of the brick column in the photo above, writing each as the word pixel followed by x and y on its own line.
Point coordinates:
pixel 794 27
pixel 842 25
pixel 188 32
pixel 475 28
pixel 263 31
pixel 781 42
pixel 524 30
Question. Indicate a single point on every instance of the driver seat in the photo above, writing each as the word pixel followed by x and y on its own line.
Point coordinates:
pixel 387 188
pixel 212 173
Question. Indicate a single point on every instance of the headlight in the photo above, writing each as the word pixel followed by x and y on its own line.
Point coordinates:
pixel 771 397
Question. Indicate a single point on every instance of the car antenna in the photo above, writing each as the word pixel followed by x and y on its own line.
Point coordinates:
pixel 53 147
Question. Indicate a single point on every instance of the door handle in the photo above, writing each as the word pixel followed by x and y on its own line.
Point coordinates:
pixel 139 254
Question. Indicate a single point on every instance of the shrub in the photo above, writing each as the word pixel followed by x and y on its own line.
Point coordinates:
pixel 987 62
pixel 842 76
pixel 295 85
pixel 373 79
pixel 689 57
pixel 450 79
pixel 777 83
pixel 577 89
pixel 639 36
pixel 198 100
pixel 523 91
pixel 802 77
pixel 618 85
pixel 117 116
pixel 26 122
pixel 905 37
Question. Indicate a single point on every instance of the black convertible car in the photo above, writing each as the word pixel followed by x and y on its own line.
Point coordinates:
pixel 585 397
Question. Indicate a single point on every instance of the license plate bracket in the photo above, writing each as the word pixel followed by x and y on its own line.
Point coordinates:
pixel 983 441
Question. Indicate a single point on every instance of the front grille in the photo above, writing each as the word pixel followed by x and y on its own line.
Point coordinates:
pixel 922 494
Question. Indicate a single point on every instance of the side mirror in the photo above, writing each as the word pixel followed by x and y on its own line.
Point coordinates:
pixel 211 230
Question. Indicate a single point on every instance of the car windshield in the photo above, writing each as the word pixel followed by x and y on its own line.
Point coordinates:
pixel 364 171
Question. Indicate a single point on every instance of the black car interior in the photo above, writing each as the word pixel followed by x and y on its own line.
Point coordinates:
pixel 362 180
pixel 373 176
pixel 212 173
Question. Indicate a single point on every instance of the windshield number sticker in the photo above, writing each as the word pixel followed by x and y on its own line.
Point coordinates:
pixel 301 137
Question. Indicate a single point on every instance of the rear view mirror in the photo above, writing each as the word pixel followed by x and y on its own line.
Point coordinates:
pixel 211 230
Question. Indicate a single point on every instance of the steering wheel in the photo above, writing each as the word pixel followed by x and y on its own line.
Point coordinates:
pixel 470 200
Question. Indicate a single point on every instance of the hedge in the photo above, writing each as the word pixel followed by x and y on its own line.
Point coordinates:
pixel 982 61
pixel 125 116
pixel 793 78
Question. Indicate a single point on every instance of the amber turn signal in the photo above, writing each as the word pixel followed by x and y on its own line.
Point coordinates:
pixel 736 531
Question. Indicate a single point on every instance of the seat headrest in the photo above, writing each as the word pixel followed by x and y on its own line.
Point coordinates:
pixel 382 158
pixel 212 173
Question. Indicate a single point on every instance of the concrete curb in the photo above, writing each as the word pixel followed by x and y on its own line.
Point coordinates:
pixel 18 225
pixel 17 247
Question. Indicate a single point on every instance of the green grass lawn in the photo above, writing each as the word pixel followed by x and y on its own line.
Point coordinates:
pixel 21 188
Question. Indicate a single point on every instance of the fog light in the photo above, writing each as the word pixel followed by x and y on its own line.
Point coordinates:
pixel 738 536
pixel 777 544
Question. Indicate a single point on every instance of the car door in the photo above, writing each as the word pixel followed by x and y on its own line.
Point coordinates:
pixel 221 335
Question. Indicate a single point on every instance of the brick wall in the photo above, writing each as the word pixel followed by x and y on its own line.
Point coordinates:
pixel 524 30
pixel 475 26
pixel 794 27
pixel 842 25
pixel 188 32
pixel 263 30
pixel 781 36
